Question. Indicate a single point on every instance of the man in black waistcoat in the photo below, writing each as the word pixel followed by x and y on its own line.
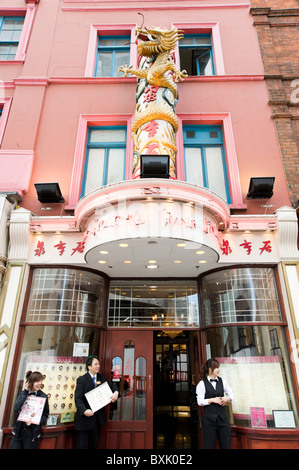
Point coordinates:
pixel 213 393
pixel 88 423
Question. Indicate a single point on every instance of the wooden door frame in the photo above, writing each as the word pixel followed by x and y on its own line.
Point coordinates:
pixel 131 434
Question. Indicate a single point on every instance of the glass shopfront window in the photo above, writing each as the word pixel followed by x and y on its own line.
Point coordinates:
pixel 255 362
pixel 53 351
pixel 66 295
pixel 59 352
pixel 240 295
pixel 153 304
pixel 252 352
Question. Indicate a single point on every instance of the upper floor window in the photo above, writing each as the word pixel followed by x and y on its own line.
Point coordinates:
pixel 196 54
pixel 105 157
pixel 205 162
pixel 10 33
pixel 112 52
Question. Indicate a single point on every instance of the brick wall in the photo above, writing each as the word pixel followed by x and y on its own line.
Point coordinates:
pixel 277 26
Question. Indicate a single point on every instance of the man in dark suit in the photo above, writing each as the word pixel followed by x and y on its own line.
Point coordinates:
pixel 88 423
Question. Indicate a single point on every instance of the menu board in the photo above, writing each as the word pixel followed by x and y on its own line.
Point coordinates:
pixel 253 381
pixel 99 397
pixel 60 375
pixel 32 409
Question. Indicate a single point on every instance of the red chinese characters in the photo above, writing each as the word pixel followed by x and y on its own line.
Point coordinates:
pixel 61 247
pixel 247 246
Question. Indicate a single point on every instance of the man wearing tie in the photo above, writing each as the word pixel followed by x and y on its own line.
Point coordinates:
pixel 88 423
pixel 213 393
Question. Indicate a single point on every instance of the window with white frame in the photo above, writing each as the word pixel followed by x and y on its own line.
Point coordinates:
pixel 196 54
pixel 205 161
pixel 105 157
pixel 112 52
pixel 10 33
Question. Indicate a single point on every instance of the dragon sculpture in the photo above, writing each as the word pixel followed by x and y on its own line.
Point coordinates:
pixel 155 122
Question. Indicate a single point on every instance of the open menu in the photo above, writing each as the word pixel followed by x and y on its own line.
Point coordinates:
pixel 32 409
pixel 99 396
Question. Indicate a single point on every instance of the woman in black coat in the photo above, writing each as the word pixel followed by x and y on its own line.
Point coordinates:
pixel 26 435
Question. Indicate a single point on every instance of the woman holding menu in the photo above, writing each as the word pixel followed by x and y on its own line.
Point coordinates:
pixel 26 434
pixel 87 422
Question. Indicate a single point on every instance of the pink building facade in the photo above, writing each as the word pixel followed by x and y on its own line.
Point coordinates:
pixel 154 275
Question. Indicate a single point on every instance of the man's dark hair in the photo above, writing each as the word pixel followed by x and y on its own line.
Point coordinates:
pixel 89 361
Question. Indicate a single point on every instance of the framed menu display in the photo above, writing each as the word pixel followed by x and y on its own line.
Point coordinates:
pixel 284 419
pixel 99 397
pixel 32 409
pixel 60 375
pixel 255 377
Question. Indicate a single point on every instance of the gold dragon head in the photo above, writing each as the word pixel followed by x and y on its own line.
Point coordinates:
pixel 156 40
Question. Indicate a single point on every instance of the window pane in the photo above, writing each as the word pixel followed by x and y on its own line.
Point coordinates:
pixel 94 176
pixel 116 165
pixel 216 181
pixel 123 42
pixel 203 40
pixel 140 396
pixel 186 41
pixel 104 64
pixel 121 58
pixel 66 295
pixel 194 173
pixel 116 377
pixel 140 304
pixel 107 135
pixel 204 62
pixel 128 381
pixel 240 295
pixel 5 35
pixel 106 42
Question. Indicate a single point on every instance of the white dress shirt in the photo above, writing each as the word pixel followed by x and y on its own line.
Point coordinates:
pixel 201 391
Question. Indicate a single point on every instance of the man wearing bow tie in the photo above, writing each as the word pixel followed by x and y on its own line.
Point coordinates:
pixel 213 393
pixel 88 423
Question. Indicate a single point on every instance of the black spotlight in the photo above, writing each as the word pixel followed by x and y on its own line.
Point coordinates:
pixel 48 192
pixel 154 166
pixel 260 188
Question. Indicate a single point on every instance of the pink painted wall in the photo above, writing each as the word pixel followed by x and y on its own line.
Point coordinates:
pixel 50 90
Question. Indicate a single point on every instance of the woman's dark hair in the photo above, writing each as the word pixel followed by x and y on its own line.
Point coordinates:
pixel 212 364
pixel 89 361
pixel 32 377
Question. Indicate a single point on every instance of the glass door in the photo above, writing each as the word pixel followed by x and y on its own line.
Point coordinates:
pixel 129 358
pixel 175 413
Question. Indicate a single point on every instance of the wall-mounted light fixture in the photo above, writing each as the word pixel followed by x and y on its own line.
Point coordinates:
pixel 154 166
pixel 48 192
pixel 260 188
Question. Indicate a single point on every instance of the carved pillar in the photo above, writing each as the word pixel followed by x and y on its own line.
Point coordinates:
pixel 12 295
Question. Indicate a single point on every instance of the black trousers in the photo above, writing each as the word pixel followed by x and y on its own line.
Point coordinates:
pixel 88 439
pixel 26 441
pixel 212 430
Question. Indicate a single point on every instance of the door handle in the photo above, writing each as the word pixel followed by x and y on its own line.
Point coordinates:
pixel 149 382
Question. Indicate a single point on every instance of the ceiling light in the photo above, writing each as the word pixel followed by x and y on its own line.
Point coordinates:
pixel 153 261
pixel 123 245
pixel 103 252
pixel 127 261
pixel 181 244
pixel 177 261
pixel 101 261
pixel 202 261
pixel 152 266
pixel 200 252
